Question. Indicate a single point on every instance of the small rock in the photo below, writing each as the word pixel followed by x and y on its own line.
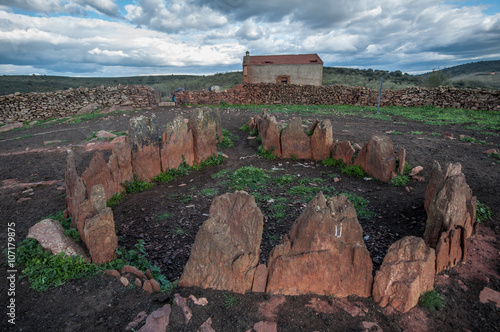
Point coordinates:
pixel 488 294
pixel 207 326
pixel 138 282
pixel 133 270
pixel 186 311
pixel 416 170
pixel 265 326
pixel 124 281
pixel 490 151
pixel 147 286
pixel 155 285
pixel 158 320
pixel 200 301
pixel 112 273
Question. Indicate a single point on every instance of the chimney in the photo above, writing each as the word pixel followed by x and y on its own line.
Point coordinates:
pixel 246 58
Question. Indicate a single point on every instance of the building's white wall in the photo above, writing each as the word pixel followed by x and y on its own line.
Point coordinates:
pixel 306 74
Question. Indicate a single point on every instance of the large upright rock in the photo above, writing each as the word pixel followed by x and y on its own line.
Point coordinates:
pixel 177 144
pixel 322 140
pixel 451 215
pixel 270 134
pixel 406 273
pixel 76 192
pixel 343 150
pixel 120 163
pixel 377 158
pixel 324 253
pixel 203 124
pixel 226 250
pixel 294 141
pixel 99 172
pixel 145 141
pixel 98 227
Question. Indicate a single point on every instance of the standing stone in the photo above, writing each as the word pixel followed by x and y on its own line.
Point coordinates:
pixel 203 124
pixel 295 142
pixel 120 163
pixel 144 139
pixel 322 140
pixel 451 215
pixel 226 250
pixel 324 253
pixel 99 227
pixel 76 191
pixel 377 158
pixel 270 134
pixel 343 150
pixel 99 172
pixel 402 161
pixel 177 145
pixel 50 234
pixel 406 273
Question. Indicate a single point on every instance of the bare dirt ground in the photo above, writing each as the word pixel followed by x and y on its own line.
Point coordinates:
pixel 168 216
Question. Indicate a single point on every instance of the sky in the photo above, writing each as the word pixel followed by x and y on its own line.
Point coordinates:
pixel 112 38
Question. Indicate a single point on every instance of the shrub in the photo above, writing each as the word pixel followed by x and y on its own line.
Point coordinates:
pixel 209 192
pixel 400 180
pixel 355 170
pixel 285 179
pixel 266 154
pixel 245 128
pixel 483 212
pixel 173 173
pixel 226 140
pixel 248 177
pixel 431 300
pixel 115 200
pixel 333 162
pixel 136 185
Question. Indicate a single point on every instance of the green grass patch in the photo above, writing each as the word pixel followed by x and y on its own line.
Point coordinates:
pixel 472 140
pixel 220 174
pixel 213 160
pixel 285 179
pixel 178 231
pixel 278 210
pixel 416 132
pixel 208 192
pixel 396 133
pixel 354 170
pixel 431 300
pixel 173 173
pixel 310 180
pixel 227 140
pixel 163 216
pixel 266 154
pixel 401 180
pixel 245 128
pixel 115 199
pixel 249 178
pixel 483 212
pixel 329 161
pixel 360 204
pixel 136 185
pixel 230 300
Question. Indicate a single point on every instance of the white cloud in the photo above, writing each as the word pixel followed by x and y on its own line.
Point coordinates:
pixel 250 30
pixel 106 7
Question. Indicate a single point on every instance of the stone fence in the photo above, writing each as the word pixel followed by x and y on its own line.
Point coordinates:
pixel 20 107
pixel 338 94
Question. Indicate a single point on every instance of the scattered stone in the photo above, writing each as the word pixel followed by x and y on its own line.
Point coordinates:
pixel 321 139
pixel 124 281
pixel 416 170
pixel 133 270
pixel 155 285
pixel 490 151
pixel 158 320
pixel 105 134
pixel 50 234
pixel 203 124
pixel 98 172
pixel 186 311
pixel 138 282
pixel 377 158
pixel 146 286
pixel 177 145
pixel 324 253
pixel 199 301
pixel 23 199
pixel 265 326
pixel 90 108
pixel 488 294
pixel 51 142
pixel 113 273
pixel 448 135
pixel 226 249
pixel 295 142
pixel 138 319
pixel 260 279
pixel 144 139
pixel 206 326
pixel 148 274
pixel 269 310
pixel 10 126
pixel 343 150
pixel 406 273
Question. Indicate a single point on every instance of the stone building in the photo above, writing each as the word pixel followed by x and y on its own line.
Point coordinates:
pixel 305 69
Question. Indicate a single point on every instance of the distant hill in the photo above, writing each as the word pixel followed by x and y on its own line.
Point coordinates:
pixel 470 75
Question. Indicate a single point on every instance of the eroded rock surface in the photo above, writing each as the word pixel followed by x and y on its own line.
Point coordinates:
pixel 203 124
pixel 377 158
pixel 324 253
pixel 76 192
pixel 226 250
pixel 144 138
pixel 406 273
pixel 343 150
pixel 177 145
pixel 270 134
pixel 294 141
pixel 99 172
pixel 322 140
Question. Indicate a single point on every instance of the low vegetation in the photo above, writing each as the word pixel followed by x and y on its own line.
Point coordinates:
pixel 431 300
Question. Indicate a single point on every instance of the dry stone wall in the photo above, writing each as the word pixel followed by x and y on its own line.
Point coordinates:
pixel 265 93
pixel 20 107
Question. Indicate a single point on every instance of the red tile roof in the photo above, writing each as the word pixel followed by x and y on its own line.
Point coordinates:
pixel 290 59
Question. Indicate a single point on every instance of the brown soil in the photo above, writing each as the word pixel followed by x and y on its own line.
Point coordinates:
pixel 103 304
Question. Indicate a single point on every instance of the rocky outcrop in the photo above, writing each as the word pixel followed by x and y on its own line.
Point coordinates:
pixel 226 250
pixel 451 215
pixel 344 151
pixel 145 141
pixel 324 253
pixel 270 133
pixel 406 273
pixel 322 140
pixel 99 172
pixel 377 158
pixel 294 141
pixel 50 234
pixel 203 124
pixel 177 145
pixel 98 226
pixel 76 191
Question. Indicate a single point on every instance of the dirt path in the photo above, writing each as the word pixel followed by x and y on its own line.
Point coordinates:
pixel 105 305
